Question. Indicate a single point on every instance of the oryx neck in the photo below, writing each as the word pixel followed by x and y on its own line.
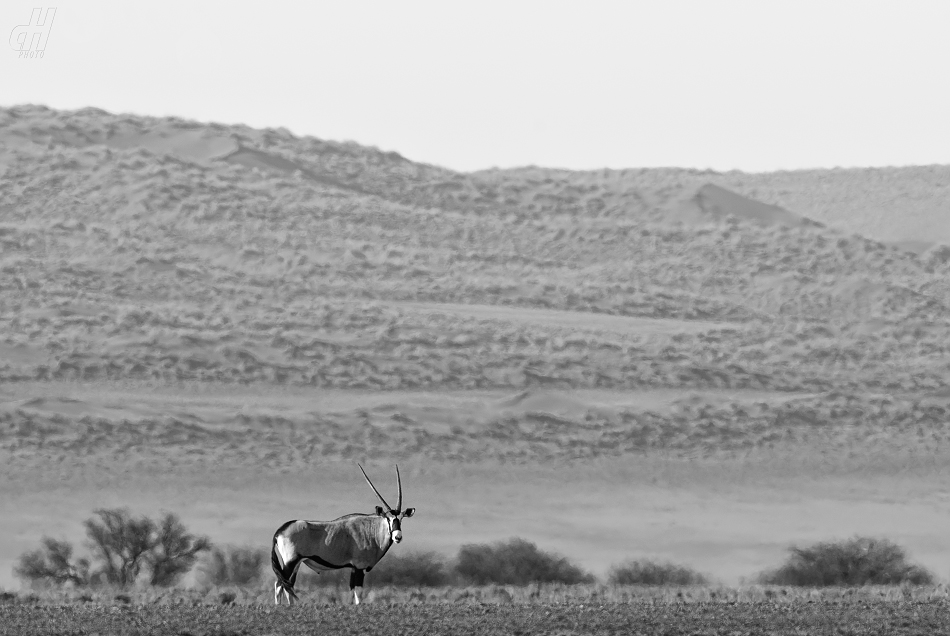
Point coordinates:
pixel 384 533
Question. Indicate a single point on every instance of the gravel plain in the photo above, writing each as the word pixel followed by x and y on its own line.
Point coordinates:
pixel 714 618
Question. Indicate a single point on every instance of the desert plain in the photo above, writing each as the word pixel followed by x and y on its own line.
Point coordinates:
pixel 687 366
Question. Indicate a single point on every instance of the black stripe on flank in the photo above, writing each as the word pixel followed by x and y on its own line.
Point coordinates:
pixel 327 564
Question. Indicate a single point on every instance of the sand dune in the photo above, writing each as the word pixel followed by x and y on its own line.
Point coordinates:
pixel 272 163
pixel 221 320
pixel 570 320
pixel 187 141
pixel 289 428
pixel 714 203
pixel 535 401
pixel 195 145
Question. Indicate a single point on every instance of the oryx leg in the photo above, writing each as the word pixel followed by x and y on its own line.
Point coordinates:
pixel 280 592
pixel 356 584
pixel 293 584
pixel 289 573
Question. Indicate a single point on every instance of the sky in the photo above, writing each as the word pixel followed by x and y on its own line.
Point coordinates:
pixel 712 84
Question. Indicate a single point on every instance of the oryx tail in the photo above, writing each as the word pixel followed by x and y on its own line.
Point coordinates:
pixel 275 564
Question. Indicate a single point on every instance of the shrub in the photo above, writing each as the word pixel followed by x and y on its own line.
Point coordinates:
pixel 226 598
pixel 233 565
pixel 857 561
pixel 515 562
pixel 52 565
pixel 173 552
pixel 124 545
pixel 120 543
pixel 412 569
pixel 653 573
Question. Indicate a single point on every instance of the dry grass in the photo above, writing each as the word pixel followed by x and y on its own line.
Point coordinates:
pixel 491 594
pixel 812 616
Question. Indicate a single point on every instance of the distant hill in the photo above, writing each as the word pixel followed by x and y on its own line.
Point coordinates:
pixel 892 205
pixel 148 248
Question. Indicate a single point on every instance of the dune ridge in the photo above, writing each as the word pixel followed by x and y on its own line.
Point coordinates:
pixel 139 249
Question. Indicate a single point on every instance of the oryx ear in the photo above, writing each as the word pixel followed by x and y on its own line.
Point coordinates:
pixel 409 512
pixel 379 510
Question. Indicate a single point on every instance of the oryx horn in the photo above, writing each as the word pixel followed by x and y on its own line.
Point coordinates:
pixel 399 484
pixel 388 507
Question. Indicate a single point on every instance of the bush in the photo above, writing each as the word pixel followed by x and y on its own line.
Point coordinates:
pixel 173 551
pixel 653 573
pixel 124 545
pixel 515 562
pixel 120 543
pixel 857 561
pixel 412 569
pixel 240 566
pixel 52 565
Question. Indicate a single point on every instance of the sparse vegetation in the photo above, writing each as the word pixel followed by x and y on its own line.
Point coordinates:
pixel 411 569
pixel 856 561
pixel 232 565
pixel 646 572
pixel 515 562
pixel 763 611
pixel 123 547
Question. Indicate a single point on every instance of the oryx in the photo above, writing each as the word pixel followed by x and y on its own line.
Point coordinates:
pixel 356 541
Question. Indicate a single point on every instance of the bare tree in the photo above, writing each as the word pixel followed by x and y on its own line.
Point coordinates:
pixel 52 564
pixel 122 546
pixel 121 542
pixel 125 545
pixel 174 551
